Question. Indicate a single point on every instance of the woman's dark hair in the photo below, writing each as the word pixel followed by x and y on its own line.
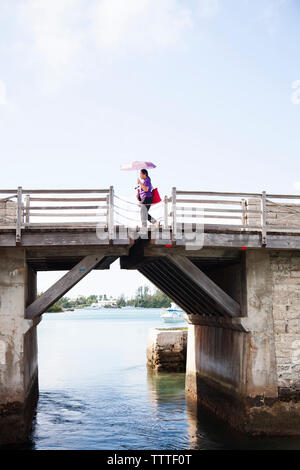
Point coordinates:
pixel 145 172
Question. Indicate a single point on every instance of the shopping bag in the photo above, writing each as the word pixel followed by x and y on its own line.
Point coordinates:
pixel 155 196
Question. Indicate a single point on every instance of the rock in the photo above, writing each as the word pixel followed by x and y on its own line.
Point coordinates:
pixel 166 349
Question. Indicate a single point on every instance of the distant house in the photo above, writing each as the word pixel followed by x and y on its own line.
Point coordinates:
pixel 105 303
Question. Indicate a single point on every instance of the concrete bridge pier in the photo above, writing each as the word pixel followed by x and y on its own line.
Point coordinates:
pixel 18 347
pixel 245 370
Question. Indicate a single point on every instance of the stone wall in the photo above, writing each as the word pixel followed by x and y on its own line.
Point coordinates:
pixel 285 269
pixel 166 349
pixel 8 212
pixel 246 370
pixel 282 215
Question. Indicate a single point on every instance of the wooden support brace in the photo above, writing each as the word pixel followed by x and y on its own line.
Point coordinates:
pixel 205 284
pixel 63 285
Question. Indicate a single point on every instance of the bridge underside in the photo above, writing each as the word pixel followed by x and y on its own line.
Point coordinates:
pixel 242 308
pixel 196 283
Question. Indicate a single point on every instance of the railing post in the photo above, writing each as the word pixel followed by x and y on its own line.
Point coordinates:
pixel 108 212
pixel 111 213
pixel 174 219
pixel 264 219
pixel 27 216
pixel 244 212
pixel 19 215
pixel 166 215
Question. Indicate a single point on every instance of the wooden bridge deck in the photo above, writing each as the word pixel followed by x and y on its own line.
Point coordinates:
pixel 87 218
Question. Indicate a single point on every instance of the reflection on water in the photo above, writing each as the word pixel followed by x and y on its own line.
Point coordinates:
pixel 96 391
pixel 165 387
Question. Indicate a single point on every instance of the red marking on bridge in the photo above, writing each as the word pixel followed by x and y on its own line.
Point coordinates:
pixel 169 246
pixel 244 248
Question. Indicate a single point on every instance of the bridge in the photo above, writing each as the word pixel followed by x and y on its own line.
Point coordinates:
pixel 230 260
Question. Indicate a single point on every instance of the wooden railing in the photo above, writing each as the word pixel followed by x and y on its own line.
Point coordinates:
pixel 235 211
pixel 219 211
pixel 60 208
pixel 215 209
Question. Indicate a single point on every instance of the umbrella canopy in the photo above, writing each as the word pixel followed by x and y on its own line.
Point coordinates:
pixel 137 166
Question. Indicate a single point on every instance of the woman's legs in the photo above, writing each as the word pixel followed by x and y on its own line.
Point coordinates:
pixel 146 204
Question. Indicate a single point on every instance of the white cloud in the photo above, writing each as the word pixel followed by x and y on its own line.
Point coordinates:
pixel 52 27
pixel 59 34
pixel 271 12
pixel 3 96
pixel 297 185
pixel 295 97
pixel 208 8
pixel 139 25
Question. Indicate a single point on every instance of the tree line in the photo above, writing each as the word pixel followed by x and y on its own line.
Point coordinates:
pixel 143 298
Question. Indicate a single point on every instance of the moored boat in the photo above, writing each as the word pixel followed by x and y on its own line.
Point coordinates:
pixel 174 314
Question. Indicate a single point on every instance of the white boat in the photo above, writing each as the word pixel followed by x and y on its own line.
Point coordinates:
pixel 174 314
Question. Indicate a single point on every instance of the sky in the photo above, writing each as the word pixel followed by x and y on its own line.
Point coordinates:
pixel 209 90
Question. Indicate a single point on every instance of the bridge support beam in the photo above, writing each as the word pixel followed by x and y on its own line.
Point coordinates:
pixel 63 285
pixel 18 347
pixel 246 370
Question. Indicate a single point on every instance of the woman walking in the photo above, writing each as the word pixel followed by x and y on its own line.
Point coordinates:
pixel 145 196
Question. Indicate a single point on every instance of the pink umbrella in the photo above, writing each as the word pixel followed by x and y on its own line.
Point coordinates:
pixel 137 166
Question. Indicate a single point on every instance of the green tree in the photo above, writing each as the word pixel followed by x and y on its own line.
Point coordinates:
pixel 121 302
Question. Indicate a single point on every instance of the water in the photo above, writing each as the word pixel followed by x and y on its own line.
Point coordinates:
pixel 96 392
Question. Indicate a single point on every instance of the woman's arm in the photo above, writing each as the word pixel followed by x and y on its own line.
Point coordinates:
pixel 144 188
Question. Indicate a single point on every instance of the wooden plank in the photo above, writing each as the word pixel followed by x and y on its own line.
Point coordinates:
pixel 224 227
pixel 288 211
pixel 207 209
pixel 64 252
pixel 64 237
pixel 205 284
pixel 188 214
pixel 59 225
pixel 284 228
pixel 8 191
pixel 209 193
pixel 52 208
pixel 283 196
pixel 209 201
pixel 69 199
pixel 63 285
pixel 77 214
pixel 203 253
pixel 64 191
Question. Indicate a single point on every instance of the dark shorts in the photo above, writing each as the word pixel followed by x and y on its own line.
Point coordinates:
pixel 147 201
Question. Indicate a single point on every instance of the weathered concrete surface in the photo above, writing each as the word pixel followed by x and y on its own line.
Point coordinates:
pixel 18 347
pixel 8 212
pixel 166 349
pixel 278 215
pixel 246 370
pixel 285 270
